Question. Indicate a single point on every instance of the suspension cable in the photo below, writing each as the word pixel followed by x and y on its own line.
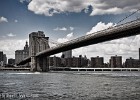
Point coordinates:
pixel 128 16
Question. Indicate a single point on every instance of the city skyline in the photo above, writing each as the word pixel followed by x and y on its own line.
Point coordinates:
pixel 72 61
pixel 65 23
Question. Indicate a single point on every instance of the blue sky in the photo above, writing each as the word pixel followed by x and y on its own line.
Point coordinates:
pixel 62 20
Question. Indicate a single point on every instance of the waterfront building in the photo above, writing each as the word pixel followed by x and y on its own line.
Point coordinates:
pixel 84 61
pixel 139 53
pixel 51 61
pixel 56 61
pixel 97 62
pixel 21 54
pixel 80 61
pixel 63 60
pixel 76 62
pixel 1 56
pixel 132 63
pixel 88 63
pixel 116 62
pixel 11 61
pixel 66 59
pixel 69 62
pixel 4 59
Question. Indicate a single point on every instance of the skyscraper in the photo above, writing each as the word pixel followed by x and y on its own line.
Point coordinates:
pixel 116 61
pixel 1 56
pixel 139 53
pixel 69 62
pixel 67 54
pixel 132 63
pixel 97 62
pixel 66 58
pixel 76 62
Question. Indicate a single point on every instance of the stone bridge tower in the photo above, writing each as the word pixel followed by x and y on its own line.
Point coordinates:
pixel 37 43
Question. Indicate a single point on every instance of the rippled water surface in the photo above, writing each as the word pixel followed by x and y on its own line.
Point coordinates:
pixel 69 85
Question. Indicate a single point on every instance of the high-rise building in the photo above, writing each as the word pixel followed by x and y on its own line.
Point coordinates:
pixel 21 54
pixel 139 53
pixel 97 62
pixel 132 63
pixel 1 56
pixel 67 54
pixel 69 62
pixel 76 62
pixel 116 61
pixel 4 59
pixel 80 61
pixel 66 59
pixel 84 61
pixel 57 61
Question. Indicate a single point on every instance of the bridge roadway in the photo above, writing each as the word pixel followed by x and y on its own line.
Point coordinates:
pixel 116 32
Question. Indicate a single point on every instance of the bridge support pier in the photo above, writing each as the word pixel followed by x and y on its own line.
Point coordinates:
pixel 33 63
pixel 43 64
pixel 40 64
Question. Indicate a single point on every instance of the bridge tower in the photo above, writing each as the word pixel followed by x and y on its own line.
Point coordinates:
pixel 37 43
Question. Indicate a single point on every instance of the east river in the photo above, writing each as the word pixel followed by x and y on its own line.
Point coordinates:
pixel 15 85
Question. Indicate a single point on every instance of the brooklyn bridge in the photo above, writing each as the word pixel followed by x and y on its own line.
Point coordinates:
pixel 39 49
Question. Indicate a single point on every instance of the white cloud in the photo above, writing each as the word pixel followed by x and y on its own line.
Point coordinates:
pixel 3 19
pixel 113 10
pixel 71 28
pixel 10 46
pixel 125 47
pixel 11 35
pixel 62 40
pixel 100 26
pixel 65 39
pixel 16 21
pixel 63 29
pixel 60 29
pixel 22 1
pixel 51 7
pixel 69 36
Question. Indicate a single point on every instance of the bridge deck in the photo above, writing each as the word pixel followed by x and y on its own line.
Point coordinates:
pixel 116 32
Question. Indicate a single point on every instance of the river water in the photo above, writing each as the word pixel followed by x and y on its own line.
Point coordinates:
pixel 69 85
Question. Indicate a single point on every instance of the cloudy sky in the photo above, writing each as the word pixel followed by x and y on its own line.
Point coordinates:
pixel 63 20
